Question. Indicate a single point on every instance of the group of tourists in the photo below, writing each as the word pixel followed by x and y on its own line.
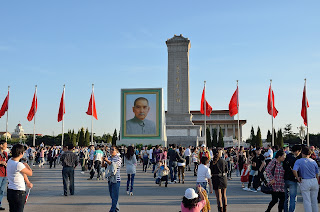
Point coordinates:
pixel 280 170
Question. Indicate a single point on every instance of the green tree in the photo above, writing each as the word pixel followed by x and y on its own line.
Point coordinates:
pixel 87 138
pixel 269 137
pixel 215 138
pixel 209 141
pixel 74 138
pixel 78 137
pixel 220 141
pixel 114 137
pixel 67 138
pixel 109 138
pixel 287 132
pixel 252 137
pixel 279 140
pixel 258 138
pixel 81 138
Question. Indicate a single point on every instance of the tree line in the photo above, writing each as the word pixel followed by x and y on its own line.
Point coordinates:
pixel 287 136
pixel 81 138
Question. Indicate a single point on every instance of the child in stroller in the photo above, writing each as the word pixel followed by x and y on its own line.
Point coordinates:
pixel 162 172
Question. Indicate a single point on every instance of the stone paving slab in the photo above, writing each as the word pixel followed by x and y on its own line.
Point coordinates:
pixel 93 195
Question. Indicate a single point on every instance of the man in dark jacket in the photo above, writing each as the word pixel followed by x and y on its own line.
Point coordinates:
pixel 173 157
pixel 69 162
pixel 291 183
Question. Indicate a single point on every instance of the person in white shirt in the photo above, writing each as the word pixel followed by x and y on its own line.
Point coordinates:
pixel 187 155
pixel 91 157
pixel 204 175
pixel 268 155
pixel 17 173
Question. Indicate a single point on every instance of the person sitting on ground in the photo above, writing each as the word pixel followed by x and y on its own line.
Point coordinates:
pixel 191 200
pixel 162 173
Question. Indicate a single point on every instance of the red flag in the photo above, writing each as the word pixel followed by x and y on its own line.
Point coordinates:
pixel 271 106
pixel 234 103
pixel 62 109
pixel 33 108
pixel 305 105
pixel 208 107
pixel 92 107
pixel 5 106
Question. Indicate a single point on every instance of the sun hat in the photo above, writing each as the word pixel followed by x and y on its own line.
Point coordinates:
pixel 190 194
pixel 203 145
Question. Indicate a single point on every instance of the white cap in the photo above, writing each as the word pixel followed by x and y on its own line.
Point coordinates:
pixel 203 145
pixel 190 194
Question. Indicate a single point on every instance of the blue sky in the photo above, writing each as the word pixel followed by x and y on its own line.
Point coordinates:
pixel 121 44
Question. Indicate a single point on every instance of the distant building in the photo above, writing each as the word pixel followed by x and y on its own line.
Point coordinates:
pixel 220 119
pixel 18 132
pixel 3 135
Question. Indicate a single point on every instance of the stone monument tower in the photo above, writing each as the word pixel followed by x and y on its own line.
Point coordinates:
pixel 179 126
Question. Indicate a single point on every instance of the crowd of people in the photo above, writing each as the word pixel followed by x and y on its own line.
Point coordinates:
pixel 280 169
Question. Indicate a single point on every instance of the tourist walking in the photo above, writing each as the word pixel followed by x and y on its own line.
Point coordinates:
pixel 241 160
pixel 195 160
pixel 204 175
pixel 219 170
pixel 291 183
pixel 131 162
pixel 181 165
pixel 17 173
pixel 308 179
pixel 42 161
pixel 275 176
pixel 97 158
pixel 69 162
pixel 187 155
pixel 144 155
pixel 268 155
pixel 113 163
pixel 3 171
pixel 173 165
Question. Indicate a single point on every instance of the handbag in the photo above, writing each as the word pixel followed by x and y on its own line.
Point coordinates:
pixel 266 188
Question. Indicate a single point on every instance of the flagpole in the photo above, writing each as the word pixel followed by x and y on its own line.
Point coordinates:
pixel 238 116
pixel 62 137
pixel 306 105
pixel 92 115
pixel 7 117
pixel 272 141
pixel 34 118
pixel 205 115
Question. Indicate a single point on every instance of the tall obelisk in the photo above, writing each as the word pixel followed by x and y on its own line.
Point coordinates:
pixel 180 129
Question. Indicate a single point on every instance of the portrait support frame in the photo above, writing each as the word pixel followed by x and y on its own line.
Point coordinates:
pixel 154 116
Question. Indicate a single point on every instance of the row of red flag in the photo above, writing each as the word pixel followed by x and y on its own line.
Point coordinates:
pixel 234 104
pixel 34 106
pixel 204 108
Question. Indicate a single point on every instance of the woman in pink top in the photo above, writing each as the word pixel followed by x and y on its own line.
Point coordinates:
pixel 191 202
pixel 41 157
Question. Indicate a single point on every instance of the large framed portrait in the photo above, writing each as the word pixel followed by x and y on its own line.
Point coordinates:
pixel 141 113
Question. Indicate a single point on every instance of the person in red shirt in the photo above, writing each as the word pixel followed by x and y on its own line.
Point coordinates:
pixel 3 171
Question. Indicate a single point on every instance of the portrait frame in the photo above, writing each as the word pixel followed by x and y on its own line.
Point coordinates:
pixel 154 96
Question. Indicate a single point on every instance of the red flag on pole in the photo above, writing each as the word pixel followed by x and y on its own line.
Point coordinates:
pixel 271 107
pixel 33 108
pixel 234 103
pixel 305 105
pixel 208 107
pixel 62 109
pixel 92 107
pixel 5 106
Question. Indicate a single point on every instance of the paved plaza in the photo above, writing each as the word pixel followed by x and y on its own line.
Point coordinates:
pixel 94 196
